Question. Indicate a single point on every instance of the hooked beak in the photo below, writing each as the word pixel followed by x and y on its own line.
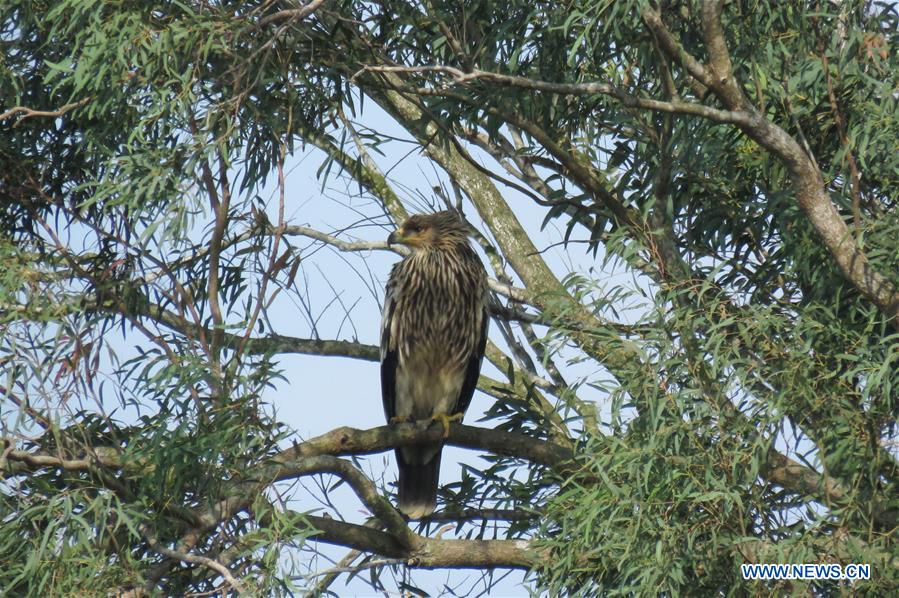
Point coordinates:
pixel 394 239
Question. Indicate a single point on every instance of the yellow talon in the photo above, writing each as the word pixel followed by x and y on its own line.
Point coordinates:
pixel 401 419
pixel 445 420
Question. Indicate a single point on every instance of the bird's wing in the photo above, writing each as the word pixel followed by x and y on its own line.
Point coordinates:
pixel 473 368
pixel 388 354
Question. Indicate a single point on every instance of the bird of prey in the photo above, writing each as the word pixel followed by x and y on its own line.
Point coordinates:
pixel 433 334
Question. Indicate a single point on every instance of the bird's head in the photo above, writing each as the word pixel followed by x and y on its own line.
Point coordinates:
pixel 424 232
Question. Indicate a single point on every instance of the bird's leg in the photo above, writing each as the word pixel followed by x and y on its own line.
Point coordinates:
pixel 401 419
pixel 445 420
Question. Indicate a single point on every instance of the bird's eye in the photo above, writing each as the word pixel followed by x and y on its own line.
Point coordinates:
pixel 413 228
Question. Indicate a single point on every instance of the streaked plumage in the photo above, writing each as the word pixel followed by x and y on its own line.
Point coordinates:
pixel 433 333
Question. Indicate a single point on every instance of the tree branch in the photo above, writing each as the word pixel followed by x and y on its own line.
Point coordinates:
pixel 517 294
pixel 429 553
pixel 361 485
pixel 725 85
pixel 353 441
pixel 192 558
pixel 807 181
pixel 329 576
pixel 30 113
pixel 779 469
pixel 479 514
pixel 363 170
pixel 591 88
pixel 293 14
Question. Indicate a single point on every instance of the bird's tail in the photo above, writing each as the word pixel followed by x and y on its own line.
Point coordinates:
pixel 418 485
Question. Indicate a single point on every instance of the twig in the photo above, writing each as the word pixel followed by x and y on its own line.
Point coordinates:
pixel 480 514
pixel 30 113
pixel 854 173
pixel 354 568
pixel 331 575
pixel 305 231
pixel 39 418
pixel 273 260
pixel 592 88
pixel 293 14
pixel 194 559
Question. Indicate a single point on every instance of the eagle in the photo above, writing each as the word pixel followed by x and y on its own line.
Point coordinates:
pixel 433 334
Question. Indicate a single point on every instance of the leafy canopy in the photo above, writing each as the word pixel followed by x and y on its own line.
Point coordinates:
pixel 718 386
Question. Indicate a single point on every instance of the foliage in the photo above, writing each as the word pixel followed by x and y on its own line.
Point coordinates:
pixel 722 378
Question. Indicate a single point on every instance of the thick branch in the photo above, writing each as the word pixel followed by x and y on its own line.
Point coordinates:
pixel 361 485
pixel 352 441
pixel 807 181
pixel 722 70
pixel 430 553
pixel 779 469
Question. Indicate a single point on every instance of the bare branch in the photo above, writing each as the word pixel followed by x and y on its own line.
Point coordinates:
pixel 40 461
pixel 592 88
pixel 429 553
pixel 352 441
pixel 506 290
pixel 30 113
pixel 293 14
pixel 192 558
pixel 278 343
pixel 361 485
pixel 342 245
pixel 373 564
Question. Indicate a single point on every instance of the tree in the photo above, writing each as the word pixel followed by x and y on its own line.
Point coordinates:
pixel 729 167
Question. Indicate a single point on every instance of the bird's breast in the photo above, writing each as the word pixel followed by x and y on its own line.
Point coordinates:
pixel 435 331
pixel 439 315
